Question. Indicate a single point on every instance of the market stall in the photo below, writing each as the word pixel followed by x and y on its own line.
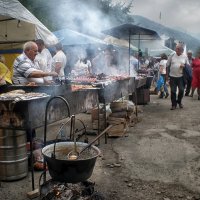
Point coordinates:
pixel 22 108
pixel 134 34
pixel 19 25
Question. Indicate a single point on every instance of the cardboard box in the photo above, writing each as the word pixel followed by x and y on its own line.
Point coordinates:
pixel 117 130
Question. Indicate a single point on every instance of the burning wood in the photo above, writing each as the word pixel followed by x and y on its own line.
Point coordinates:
pixel 83 191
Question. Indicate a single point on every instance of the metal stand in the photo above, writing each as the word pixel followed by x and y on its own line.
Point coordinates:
pixel 45 125
pixel 136 108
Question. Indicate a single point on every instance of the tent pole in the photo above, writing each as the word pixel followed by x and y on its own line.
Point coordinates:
pixel 136 102
pixel 129 47
pixel 138 50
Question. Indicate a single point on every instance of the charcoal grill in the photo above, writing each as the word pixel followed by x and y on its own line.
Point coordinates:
pixel 85 99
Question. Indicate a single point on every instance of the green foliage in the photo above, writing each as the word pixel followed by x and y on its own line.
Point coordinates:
pixel 46 11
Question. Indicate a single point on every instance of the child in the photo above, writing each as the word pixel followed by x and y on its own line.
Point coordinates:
pixel 160 87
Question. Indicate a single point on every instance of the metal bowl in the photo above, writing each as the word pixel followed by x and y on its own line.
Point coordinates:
pixel 69 171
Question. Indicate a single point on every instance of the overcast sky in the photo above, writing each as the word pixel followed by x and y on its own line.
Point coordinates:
pixel 174 13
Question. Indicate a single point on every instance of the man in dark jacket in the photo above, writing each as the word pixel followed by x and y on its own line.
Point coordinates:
pixel 188 73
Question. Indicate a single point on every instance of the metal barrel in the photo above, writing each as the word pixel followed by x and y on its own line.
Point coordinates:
pixel 13 155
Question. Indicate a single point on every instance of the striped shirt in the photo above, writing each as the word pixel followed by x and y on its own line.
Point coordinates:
pixel 22 68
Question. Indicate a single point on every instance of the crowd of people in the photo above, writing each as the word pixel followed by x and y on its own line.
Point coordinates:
pixel 36 65
pixel 182 72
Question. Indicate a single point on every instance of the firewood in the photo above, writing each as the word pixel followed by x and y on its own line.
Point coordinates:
pixel 33 194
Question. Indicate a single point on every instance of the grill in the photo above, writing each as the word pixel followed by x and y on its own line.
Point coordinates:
pixel 85 99
pixel 30 114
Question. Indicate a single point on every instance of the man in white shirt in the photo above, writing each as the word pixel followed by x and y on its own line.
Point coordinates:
pixel 24 67
pixel 59 61
pixel 44 58
pixel 175 65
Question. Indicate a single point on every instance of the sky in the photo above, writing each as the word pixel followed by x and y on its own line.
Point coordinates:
pixel 183 15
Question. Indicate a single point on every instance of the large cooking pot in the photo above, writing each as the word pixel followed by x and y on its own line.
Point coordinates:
pixel 70 171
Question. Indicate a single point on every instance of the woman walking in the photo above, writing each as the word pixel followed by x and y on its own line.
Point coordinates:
pixel 196 74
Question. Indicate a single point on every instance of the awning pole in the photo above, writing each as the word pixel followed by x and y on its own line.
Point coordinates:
pixel 129 47
pixel 138 51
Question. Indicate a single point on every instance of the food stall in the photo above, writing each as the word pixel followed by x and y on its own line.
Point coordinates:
pixel 22 109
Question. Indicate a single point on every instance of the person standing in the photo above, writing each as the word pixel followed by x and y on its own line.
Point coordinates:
pixel 59 60
pixel 24 67
pixel 175 64
pixel 134 65
pixel 44 59
pixel 196 74
pixel 5 74
pixel 189 68
pixel 162 71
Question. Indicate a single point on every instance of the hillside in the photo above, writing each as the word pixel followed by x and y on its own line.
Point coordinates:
pixel 191 42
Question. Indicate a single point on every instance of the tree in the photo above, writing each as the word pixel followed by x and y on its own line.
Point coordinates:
pixel 79 14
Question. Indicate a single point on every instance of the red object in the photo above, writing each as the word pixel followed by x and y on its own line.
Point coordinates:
pixel 196 73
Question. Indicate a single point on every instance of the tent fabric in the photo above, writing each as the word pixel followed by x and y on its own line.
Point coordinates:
pixel 71 37
pixel 154 47
pixel 14 32
pixel 143 38
pixel 119 42
pixel 125 30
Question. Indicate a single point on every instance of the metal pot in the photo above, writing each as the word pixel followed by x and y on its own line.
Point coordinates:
pixel 70 171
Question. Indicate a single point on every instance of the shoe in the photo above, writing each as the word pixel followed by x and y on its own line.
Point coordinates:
pixel 166 95
pixel 198 97
pixel 186 94
pixel 180 105
pixel 191 95
pixel 173 108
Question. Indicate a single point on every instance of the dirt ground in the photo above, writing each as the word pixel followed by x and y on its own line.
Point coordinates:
pixel 158 159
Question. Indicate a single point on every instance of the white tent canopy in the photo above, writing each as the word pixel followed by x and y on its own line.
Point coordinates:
pixel 18 25
pixel 119 42
pixel 153 47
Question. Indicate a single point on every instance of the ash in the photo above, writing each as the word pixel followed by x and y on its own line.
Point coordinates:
pixel 67 191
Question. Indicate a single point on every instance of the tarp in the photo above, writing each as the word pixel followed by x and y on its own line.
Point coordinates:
pixel 71 37
pixel 119 42
pixel 132 33
pixel 154 47
pixel 18 25
pixel 125 31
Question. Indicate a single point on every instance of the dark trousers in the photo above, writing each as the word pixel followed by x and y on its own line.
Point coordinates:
pixel 188 86
pixel 174 83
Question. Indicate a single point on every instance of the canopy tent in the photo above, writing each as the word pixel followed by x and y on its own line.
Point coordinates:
pixel 132 32
pixel 18 25
pixel 71 37
pixel 159 51
pixel 125 31
pixel 119 42
pixel 155 47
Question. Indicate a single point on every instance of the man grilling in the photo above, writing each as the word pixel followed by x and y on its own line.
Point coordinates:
pixel 25 70
pixel 44 59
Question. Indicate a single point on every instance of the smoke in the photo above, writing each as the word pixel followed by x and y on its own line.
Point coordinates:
pixel 82 17
pixel 89 19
